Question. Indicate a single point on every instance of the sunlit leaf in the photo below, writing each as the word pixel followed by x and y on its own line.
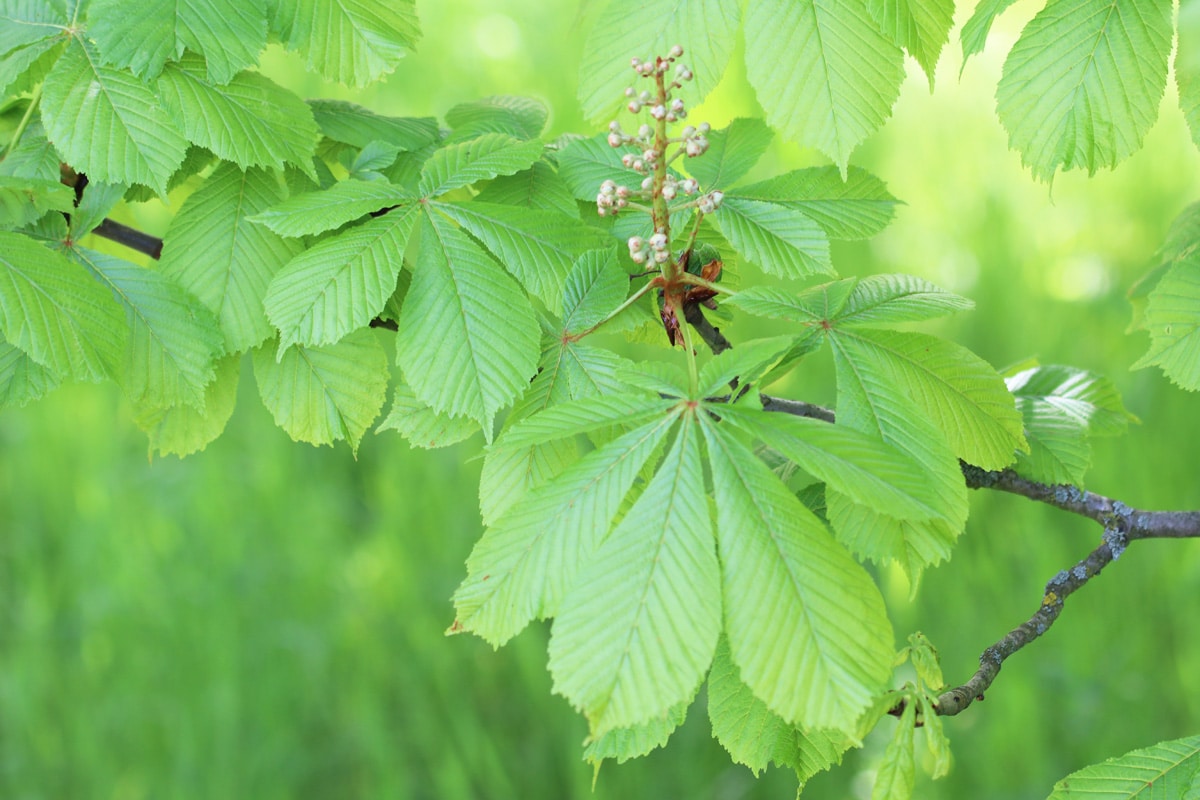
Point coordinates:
pixel 637 630
pixel 24 200
pixel 539 187
pixel 1173 319
pixel 21 378
pixel 1083 83
pixel 322 394
pixel 778 240
pixel 856 207
pixel 622 744
pixel 182 430
pixel 478 159
pixel 421 425
pixel 975 30
pixel 922 27
pixel 357 126
pixel 888 299
pixel 839 80
pixel 897 772
pixel 320 211
pixel 731 153
pixel 350 41
pixel 520 117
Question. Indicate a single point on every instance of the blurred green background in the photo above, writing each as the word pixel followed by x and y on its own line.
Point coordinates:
pixel 264 619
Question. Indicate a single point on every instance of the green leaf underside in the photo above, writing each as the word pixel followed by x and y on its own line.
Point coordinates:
pixel 1061 406
pixel 1083 83
pixel 811 306
pixel 898 770
pixel 869 402
pixel 839 81
pixel 33 158
pixel 566 372
pixel 23 23
pixel 586 163
pixel 1173 319
pixel 525 563
pixel 182 430
pixel 922 27
pixel 778 240
pixel 731 153
pixel 1187 65
pixel 228 33
pixel 21 378
pixel 856 207
pixel 357 126
pixel 468 341
pixel 322 394
pixel 28 64
pixel 954 388
pixel 107 123
pixel 478 159
pixel 519 117
pixel 24 200
pixel 975 30
pixel 320 211
pixel 888 299
pixel 622 744
pixel 215 253
pixel 538 248
pixel 864 468
pixel 1161 772
pixel 350 41
pixel 173 339
pixel 250 120
pixel 340 284
pixel 747 362
pixel 51 309
pixel 585 415
pixel 707 30
pixel 825 648
pixel 421 425
pixel 637 630
pixel 540 187
pixel 595 286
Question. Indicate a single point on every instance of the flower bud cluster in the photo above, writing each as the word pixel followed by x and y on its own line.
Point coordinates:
pixel 695 139
pixel 710 202
pixel 612 198
pixel 654 249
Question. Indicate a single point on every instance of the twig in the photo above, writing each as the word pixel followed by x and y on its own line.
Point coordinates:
pixel 130 237
pixel 713 337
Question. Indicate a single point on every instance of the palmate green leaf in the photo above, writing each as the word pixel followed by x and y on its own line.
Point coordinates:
pixel 228 33
pixel 354 125
pixel 24 200
pixel 340 284
pixel 888 299
pixel 182 430
pixel 952 386
pixel 826 648
pixel 1165 771
pixel 1187 65
pixel 421 425
pixel 731 153
pixel 247 118
pixel 483 157
pixel 214 252
pixel 24 22
pixel 747 362
pixel 869 402
pixel 1083 83
pixel 622 744
pixel 320 211
pixel 584 415
pixel 173 339
pixel 519 117
pixel 637 629
pixel 975 30
pixel 468 339
pixel 897 773
pixel 586 163
pixel 1173 319
pixel 51 309
pixel 107 123
pixel 808 307
pixel 538 248
pixel 864 468
pixel 539 187
pixel 523 566
pixel 21 378
pixel 322 394
pixel 707 30
pixel 595 286
pixel 350 41
pixel 841 77
pixel 855 207
pixel 756 736
pixel 922 27
pixel 778 240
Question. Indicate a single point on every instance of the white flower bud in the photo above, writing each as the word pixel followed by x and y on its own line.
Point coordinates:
pixel 689 186
pixel 668 192
pixel 658 241
pixel 647 184
pixel 671 117
pixel 683 73
pixel 693 148
pixel 676 51
pixel 635 62
pixel 677 105
pixel 638 165
pixel 706 206
pixel 615 140
pixel 636 243
pixel 645 131
pixel 658 112
pixel 689 131
pixel 623 191
pixel 704 128
pixel 639 257
pixel 661 256
pixel 717 198
pixel 627 160
pixel 634 106
pixel 650 155
pixel 630 91
pixel 608 187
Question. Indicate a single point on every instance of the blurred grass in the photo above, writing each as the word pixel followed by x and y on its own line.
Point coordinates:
pixel 265 619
